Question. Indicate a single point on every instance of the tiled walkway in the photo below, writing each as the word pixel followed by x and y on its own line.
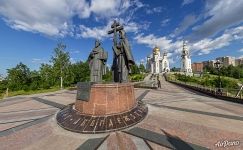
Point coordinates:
pixel 177 119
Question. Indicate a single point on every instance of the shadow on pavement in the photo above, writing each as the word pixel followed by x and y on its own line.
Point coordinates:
pixel 177 142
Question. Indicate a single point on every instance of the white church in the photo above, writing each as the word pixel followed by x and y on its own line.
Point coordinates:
pixel 157 64
pixel 185 60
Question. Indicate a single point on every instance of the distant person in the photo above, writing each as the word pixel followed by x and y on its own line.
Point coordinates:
pixel 158 82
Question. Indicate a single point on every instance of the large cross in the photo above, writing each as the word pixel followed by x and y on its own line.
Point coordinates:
pixel 115 27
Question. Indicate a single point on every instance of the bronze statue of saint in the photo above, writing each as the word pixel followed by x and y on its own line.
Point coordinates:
pixel 123 59
pixel 97 62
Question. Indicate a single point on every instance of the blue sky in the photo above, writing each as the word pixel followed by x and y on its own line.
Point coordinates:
pixel 30 30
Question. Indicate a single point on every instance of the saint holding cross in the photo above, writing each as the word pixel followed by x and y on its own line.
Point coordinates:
pixel 123 59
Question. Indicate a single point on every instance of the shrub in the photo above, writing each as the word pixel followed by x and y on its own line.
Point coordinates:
pixel 137 77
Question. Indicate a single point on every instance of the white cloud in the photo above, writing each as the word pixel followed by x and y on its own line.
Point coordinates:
pixel 75 52
pixel 186 2
pixel 165 22
pixel 201 47
pixel 54 18
pixel 219 16
pixel 142 60
pixel 154 10
pixel 80 7
pixel 42 16
pixel 38 61
pixel 173 49
pixel 137 3
pixel 102 31
pixel 241 50
pixel 152 41
pixel 109 8
pixel 73 60
pixel 188 21
pixel 96 32
pixel 206 45
pixel 162 42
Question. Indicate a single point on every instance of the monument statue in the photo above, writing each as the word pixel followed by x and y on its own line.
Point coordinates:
pixel 94 111
pixel 122 59
pixel 97 62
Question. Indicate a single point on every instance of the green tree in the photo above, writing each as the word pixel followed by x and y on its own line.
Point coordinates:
pixel 142 68
pixel 80 72
pixel 135 69
pixel 173 69
pixel 35 80
pixel 85 71
pixel 237 73
pixel 61 64
pixel 3 86
pixel 1 77
pixel 47 76
pixel 19 77
pixel 108 76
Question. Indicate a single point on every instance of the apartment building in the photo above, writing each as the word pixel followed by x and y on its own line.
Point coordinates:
pixel 238 61
pixel 227 60
pixel 197 67
pixel 209 63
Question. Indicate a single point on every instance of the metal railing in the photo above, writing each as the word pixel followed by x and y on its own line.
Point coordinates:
pixel 228 92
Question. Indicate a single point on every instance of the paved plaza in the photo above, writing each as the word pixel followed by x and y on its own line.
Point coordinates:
pixel 177 119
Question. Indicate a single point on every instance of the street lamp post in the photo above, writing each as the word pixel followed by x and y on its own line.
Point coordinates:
pixel 218 67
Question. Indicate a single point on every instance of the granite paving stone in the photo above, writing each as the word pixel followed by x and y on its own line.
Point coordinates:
pixel 25 105
pixel 176 116
pixel 154 146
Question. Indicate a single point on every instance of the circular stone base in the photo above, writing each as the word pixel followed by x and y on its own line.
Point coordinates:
pixel 73 120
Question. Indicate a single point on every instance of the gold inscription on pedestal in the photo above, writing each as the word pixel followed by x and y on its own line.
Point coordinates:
pixel 110 123
pixel 126 118
pixel 118 120
pixel 140 111
pixel 97 124
pixel 76 121
pixel 136 113
pixel 65 114
pixel 67 117
pixel 102 122
pixel 92 123
pixel 143 109
pixel 84 122
pixel 133 117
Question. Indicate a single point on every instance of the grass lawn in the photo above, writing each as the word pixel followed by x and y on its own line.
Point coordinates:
pixel 230 84
pixel 230 78
pixel 22 92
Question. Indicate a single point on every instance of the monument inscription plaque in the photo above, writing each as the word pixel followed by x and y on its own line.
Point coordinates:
pixel 83 90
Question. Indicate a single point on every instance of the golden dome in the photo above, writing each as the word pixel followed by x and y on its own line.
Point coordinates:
pixel 156 50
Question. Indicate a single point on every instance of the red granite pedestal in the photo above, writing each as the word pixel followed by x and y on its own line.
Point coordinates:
pixel 107 99
pixel 110 107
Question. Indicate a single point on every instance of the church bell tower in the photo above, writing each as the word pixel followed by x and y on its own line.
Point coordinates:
pixel 185 59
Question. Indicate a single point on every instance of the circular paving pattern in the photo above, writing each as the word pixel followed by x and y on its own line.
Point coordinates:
pixel 73 120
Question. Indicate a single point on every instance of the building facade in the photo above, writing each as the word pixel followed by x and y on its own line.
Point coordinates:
pixel 209 63
pixel 227 60
pixel 185 60
pixel 197 67
pixel 157 64
pixel 238 61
